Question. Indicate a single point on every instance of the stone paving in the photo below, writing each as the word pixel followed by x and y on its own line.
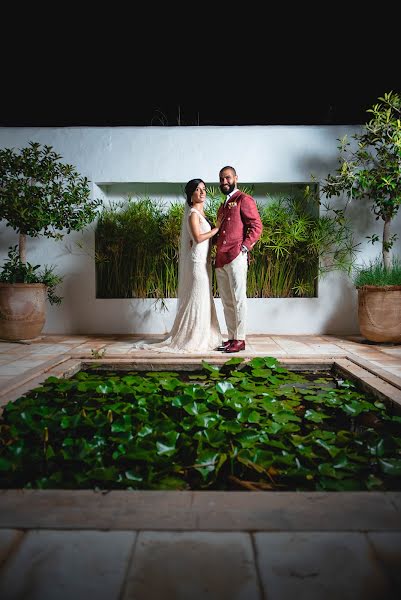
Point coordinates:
pixel 172 545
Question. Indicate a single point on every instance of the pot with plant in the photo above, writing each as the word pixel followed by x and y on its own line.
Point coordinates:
pixel 39 196
pixel 371 169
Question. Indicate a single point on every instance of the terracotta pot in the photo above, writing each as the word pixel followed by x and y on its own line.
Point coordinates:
pixel 379 313
pixel 22 310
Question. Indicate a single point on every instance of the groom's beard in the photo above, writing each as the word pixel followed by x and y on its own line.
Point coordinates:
pixel 227 189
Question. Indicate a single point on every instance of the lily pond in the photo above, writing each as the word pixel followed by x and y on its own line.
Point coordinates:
pixel 243 425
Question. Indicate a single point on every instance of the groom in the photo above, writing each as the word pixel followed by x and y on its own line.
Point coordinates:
pixel 240 229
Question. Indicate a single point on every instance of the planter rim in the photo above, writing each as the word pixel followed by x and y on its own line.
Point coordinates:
pixel 21 285
pixel 379 288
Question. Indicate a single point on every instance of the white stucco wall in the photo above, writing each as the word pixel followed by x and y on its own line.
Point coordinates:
pixel 276 154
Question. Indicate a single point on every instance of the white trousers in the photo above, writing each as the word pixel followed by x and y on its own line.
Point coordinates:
pixel 231 279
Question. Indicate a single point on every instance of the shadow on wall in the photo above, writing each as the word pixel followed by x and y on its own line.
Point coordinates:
pixel 333 312
pixel 8 238
pixel 81 312
pixel 343 318
pixel 74 257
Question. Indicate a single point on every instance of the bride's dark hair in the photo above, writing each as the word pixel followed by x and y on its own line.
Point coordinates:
pixel 191 187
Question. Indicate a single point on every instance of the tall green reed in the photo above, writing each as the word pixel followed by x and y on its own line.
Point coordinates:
pixel 137 245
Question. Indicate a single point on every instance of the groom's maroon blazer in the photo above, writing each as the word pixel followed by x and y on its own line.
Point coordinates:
pixel 241 226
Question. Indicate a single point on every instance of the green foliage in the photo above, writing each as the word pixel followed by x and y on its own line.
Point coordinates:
pixel 137 244
pixel 377 274
pixel 371 167
pixel 40 196
pixel 241 425
pixel 16 271
pixel 298 245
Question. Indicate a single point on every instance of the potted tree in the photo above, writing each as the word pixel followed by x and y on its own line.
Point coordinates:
pixel 371 169
pixel 39 196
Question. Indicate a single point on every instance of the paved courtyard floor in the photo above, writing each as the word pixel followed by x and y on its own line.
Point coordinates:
pixel 62 544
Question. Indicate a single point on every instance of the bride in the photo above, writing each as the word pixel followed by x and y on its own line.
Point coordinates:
pixel 196 328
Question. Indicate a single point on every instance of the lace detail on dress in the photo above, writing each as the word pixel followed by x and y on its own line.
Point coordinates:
pixel 196 328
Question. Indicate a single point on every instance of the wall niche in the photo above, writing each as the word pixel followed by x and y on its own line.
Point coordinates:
pixel 137 239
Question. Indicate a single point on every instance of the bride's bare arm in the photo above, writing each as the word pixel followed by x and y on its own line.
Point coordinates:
pixel 196 232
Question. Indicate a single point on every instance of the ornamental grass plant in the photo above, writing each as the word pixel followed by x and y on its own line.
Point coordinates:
pixel 376 274
pixel 137 243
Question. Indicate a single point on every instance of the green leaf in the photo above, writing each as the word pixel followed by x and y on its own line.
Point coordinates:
pixel 214 438
pixel 207 420
pixel 133 476
pixel 261 373
pixel 248 439
pixel 315 416
pixel 103 473
pixel 230 426
pixel 285 417
pixel 390 466
pixel 210 368
pixel 223 386
pixel 331 449
pixel 254 417
pixel 378 449
pixel 353 408
pixel 171 483
pixel 374 483
pixel 168 446
pixel 206 462
pixel 144 431
pixel 344 485
pixel 49 452
pixel 124 424
pixel 233 361
pixel 171 384
pixel 328 470
pixel 194 408
pixel 103 389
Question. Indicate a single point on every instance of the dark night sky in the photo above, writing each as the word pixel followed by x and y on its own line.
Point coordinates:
pixel 114 107
pixel 131 82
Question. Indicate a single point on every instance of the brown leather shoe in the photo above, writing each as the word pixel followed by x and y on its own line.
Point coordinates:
pixel 224 345
pixel 236 346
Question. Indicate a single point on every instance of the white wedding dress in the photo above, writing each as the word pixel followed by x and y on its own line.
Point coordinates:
pixel 196 328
